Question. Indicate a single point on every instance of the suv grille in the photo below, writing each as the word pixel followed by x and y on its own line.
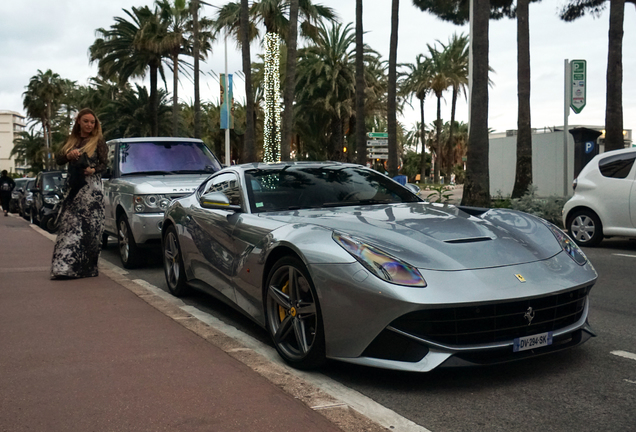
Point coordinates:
pixel 495 322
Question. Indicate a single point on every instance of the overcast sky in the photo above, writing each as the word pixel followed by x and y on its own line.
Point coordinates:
pixel 46 34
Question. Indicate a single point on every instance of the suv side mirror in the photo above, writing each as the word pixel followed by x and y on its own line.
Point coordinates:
pixel 218 201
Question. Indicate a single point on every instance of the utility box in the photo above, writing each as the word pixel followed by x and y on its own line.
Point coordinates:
pixel 585 147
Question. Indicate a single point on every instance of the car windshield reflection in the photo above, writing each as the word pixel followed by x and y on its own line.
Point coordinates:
pixel 166 158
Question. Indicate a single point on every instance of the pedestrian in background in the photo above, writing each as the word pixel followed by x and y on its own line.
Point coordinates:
pixel 6 187
pixel 81 219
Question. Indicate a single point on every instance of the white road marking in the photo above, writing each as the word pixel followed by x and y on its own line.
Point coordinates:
pixel 630 381
pixel 624 354
pixel 625 255
pixel 347 396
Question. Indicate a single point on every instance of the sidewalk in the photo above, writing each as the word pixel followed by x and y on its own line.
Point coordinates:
pixel 94 355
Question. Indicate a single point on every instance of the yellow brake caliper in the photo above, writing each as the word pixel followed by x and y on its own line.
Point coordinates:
pixel 281 311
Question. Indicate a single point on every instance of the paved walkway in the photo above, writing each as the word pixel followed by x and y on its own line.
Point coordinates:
pixel 94 355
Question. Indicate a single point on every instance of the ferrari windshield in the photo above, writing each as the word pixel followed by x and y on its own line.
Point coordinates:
pixel 298 187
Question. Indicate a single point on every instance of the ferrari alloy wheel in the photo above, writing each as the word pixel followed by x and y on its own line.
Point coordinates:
pixel 173 264
pixel 128 252
pixel 585 228
pixel 293 314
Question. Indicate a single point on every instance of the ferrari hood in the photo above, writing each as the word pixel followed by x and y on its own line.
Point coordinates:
pixel 438 237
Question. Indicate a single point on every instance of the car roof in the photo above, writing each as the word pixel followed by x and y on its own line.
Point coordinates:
pixel 154 139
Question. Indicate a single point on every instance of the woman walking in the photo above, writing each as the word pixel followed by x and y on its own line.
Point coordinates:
pixel 81 219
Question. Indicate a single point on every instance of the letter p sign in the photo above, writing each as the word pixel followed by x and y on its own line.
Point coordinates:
pixel 589 147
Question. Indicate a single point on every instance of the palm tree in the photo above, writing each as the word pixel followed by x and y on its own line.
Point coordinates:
pixel 249 150
pixel 614 96
pixel 176 16
pixel 129 48
pixel 440 81
pixel 326 83
pixel 392 94
pixel 361 137
pixel 30 149
pixel 417 82
pixel 477 184
pixel 42 101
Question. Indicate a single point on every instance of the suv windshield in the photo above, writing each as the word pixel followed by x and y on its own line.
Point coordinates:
pixel 166 157
pixel 292 188
pixel 52 180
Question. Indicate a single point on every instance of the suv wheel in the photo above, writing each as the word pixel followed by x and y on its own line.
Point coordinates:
pixel 128 250
pixel 585 228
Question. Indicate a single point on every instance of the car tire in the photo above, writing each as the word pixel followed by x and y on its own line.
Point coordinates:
pixel 293 314
pixel 48 224
pixel 105 241
pixel 173 267
pixel 128 250
pixel 585 228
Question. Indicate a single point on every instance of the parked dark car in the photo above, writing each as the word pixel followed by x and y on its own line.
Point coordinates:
pixel 47 194
pixel 18 190
pixel 26 200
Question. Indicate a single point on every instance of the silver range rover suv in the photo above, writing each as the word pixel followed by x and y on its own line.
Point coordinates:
pixel 144 175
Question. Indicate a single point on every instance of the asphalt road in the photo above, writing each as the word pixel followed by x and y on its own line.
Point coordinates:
pixel 588 388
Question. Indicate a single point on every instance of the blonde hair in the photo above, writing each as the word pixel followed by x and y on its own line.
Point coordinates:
pixel 76 135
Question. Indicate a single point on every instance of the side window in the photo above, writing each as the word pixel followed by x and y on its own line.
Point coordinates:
pixel 227 184
pixel 617 166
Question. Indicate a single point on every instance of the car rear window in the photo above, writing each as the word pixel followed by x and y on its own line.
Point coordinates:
pixel 617 166
pixel 163 157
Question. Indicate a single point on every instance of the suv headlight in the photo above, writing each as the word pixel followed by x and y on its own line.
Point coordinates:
pixel 380 263
pixel 52 200
pixel 15 195
pixel 568 246
pixel 151 203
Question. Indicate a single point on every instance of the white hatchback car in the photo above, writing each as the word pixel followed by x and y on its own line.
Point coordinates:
pixel 604 201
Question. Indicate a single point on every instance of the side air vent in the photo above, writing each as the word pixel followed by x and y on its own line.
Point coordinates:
pixel 468 240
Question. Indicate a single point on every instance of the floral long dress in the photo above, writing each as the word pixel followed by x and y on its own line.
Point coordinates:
pixel 81 222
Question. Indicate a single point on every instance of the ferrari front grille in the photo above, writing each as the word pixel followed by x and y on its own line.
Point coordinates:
pixel 495 322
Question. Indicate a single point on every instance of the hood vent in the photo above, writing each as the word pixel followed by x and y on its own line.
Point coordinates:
pixel 468 240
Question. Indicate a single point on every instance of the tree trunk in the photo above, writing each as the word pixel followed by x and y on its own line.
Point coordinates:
pixel 423 139
pixel 195 53
pixel 154 119
pixel 614 139
pixel 361 136
pixel 49 136
pixel 175 97
pixel 477 184
pixel 392 87
pixel 523 175
pixel 438 137
pixel 336 140
pixel 249 147
pixel 290 82
pixel 451 136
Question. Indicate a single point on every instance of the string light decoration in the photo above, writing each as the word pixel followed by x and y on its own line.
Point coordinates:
pixel 272 132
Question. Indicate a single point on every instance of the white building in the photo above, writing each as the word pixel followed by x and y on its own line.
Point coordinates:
pixel 547 160
pixel 11 124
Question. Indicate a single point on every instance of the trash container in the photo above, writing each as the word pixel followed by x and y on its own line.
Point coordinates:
pixel 585 147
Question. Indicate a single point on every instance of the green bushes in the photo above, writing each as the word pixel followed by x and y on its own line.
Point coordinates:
pixel 549 208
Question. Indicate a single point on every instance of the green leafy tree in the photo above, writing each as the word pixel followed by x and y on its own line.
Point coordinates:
pixel 30 149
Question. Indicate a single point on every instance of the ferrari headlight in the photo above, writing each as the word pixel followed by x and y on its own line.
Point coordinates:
pixel 379 263
pixel 568 246
pixel 150 203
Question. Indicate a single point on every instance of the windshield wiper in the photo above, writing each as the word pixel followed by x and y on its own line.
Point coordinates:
pixel 354 203
pixel 148 173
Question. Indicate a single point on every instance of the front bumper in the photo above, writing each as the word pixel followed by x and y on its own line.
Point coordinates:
pixel 359 309
pixel 146 227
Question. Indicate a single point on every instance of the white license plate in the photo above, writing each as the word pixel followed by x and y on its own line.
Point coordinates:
pixel 531 342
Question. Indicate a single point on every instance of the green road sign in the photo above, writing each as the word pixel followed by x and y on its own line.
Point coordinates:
pixel 377 134
pixel 578 76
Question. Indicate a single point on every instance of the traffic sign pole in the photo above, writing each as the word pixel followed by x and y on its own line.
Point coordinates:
pixel 567 87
